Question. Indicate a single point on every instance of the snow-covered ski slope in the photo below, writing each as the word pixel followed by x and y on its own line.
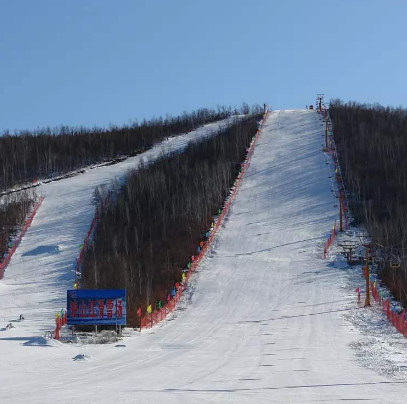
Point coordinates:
pixel 264 320
pixel 41 269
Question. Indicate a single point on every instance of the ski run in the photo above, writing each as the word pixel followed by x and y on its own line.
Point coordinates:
pixel 265 318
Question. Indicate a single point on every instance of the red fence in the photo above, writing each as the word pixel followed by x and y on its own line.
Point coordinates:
pixel 27 224
pixel 155 316
pixel 60 320
pixel 396 319
pixel 330 240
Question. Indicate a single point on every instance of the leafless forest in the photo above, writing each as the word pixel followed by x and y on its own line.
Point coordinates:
pixel 372 145
pixel 155 221
pixel 47 153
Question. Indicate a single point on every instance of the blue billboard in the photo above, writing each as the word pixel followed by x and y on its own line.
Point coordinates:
pixel 96 307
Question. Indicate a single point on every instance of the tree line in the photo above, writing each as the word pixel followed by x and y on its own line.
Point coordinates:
pixel 372 145
pixel 46 153
pixel 153 223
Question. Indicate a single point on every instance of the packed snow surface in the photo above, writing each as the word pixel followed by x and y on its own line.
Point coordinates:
pixel 265 319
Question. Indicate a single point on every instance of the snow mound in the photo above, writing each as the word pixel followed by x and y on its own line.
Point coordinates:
pixel 82 357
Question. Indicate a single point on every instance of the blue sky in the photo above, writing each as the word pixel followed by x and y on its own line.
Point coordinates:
pixel 100 62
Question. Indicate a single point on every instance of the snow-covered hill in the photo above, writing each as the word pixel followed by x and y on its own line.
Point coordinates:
pixel 265 319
